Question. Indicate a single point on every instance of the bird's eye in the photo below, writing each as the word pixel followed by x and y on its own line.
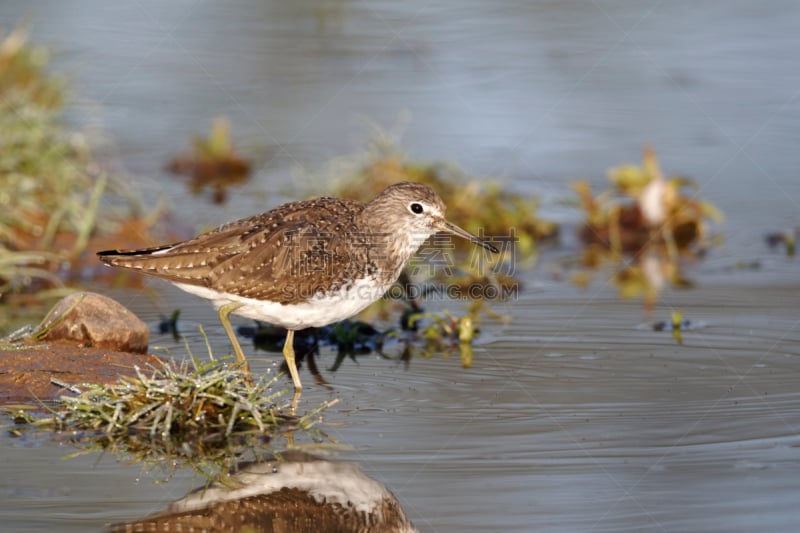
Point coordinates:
pixel 416 208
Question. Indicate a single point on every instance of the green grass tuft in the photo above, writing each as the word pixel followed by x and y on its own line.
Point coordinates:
pixel 205 415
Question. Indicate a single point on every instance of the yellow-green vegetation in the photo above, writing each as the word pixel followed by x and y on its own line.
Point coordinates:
pixel 426 335
pixel 44 186
pixel 677 320
pixel 643 208
pixel 213 162
pixel 217 145
pixel 193 412
pixel 51 187
pixel 190 401
pixel 640 276
pixel 787 239
pixel 676 325
pixel 644 225
pixel 446 333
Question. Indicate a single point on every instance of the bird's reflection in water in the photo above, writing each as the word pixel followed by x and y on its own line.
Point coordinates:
pixel 298 493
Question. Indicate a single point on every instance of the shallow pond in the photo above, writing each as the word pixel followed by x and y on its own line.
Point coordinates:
pixel 573 417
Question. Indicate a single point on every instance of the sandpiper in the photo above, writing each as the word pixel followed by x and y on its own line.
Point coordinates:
pixel 303 264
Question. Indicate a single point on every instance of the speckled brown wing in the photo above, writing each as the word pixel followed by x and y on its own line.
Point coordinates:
pixel 188 262
pixel 285 255
pixel 297 254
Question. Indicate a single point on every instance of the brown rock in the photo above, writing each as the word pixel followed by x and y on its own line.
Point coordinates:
pixel 95 320
pixel 27 368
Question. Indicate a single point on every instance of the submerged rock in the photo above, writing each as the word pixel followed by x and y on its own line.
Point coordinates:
pixel 95 320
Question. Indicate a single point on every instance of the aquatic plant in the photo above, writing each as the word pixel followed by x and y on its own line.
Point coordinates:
pixel 192 412
pixel 213 162
pixel 54 196
pixel 420 332
pixel 643 208
pixel 644 226
pixel 444 333
pixel 169 402
pixel 787 239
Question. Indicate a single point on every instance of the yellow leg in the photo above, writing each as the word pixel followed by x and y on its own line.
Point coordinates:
pixel 224 311
pixel 288 354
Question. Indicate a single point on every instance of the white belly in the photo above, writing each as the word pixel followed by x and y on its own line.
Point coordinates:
pixel 316 312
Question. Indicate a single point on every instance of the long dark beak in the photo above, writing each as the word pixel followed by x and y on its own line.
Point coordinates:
pixel 449 227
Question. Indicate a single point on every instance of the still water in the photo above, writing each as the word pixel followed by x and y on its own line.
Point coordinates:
pixel 573 417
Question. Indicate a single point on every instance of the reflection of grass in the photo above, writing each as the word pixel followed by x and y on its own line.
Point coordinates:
pixel 201 414
pixel 52 191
